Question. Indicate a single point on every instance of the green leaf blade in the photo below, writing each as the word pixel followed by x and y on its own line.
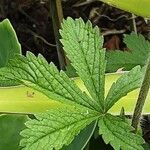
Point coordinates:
pixel 83 45
pixel 135 6
pixel 56 127
pixel 125 84
pixel 36 73
pixel 138 52
pixel 9 45
pixel 82 139
pixel 10 127
pixel 119 134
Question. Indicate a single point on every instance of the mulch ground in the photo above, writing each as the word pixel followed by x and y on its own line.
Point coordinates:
pixel 33 24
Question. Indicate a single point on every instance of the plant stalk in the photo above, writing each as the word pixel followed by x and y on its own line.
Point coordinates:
pixel 141 98
pixel 57 17
pixel 134 28
pixel 10 102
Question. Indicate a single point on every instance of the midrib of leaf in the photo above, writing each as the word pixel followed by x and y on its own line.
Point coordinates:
pixel 99 93
pixel 117 94
pixel 28 66
pixel 117 136
pixel 86 35
pixel 94 118
pixel 125 84
pixel 60 124
pixel 85 60
pixel 119 131
pixel 61 84
pixel 49 81
pixel 58 82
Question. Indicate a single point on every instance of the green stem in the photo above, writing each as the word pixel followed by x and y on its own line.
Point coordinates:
pixel 142 97
pixel 29 101
pixel 57 16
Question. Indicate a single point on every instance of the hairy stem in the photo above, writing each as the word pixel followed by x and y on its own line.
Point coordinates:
pixel 142 97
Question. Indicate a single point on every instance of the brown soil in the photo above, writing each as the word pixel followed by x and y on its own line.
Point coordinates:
pixel 32 22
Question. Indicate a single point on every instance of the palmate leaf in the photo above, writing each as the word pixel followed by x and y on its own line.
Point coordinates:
pixel 83 45
pixel 125 84
pixel 138 53
pixel 118 133
pixel 36 73
pixel 56 127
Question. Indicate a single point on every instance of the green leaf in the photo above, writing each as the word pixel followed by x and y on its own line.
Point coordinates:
pixel 9 47
pixel 10 127
pixel 125 84
pixel 56 127
pixel 118 133
pixel 70 71
pixel 81 140
pixel 9 44
pixel 7 82
pixel 135 6
pixel 138 54
pixel 83 45
pixel 36 73
pixel 146 146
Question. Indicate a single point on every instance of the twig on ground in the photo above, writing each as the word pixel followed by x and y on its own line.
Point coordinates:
pixel 114 31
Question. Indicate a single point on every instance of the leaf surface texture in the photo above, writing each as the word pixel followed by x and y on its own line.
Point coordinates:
pixel 36 73
pixel 125 84
pixel 56 128
pixel 137 54
pixel 83 45
pixel 118 133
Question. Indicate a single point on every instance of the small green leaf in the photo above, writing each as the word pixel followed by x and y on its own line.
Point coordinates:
pixel 83 45
pixel 125 84
pixel 118 133
pixel 10 127
pixel 56 127
pixel 138 54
